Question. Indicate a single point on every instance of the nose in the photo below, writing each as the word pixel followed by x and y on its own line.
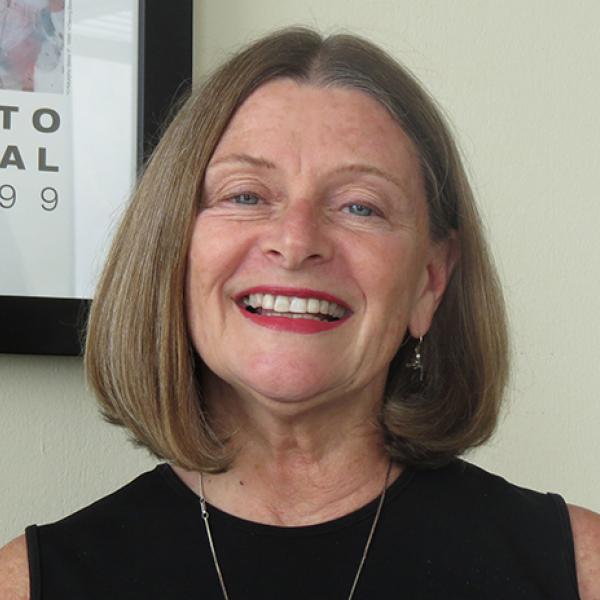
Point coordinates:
pixel 297 237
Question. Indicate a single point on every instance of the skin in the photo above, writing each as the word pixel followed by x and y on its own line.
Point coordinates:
pixel 310 163
pixel 300 409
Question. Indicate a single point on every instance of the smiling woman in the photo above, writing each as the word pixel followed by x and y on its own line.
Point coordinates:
pixel 300 315
pixel 307 156
pixel 277 148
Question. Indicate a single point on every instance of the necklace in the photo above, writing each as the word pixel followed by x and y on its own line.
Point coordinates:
pixel 363 557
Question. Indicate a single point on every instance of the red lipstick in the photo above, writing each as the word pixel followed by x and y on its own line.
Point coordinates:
pixel 295 325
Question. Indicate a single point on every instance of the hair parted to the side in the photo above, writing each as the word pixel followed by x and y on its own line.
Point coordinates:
pixel 139 357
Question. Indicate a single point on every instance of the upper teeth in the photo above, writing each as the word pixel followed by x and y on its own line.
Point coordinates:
pixel 293 304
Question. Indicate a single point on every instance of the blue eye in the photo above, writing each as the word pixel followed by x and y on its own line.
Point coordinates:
pixel 245 198
pixel 360 210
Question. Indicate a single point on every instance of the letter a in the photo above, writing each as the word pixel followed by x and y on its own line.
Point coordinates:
pixel 12 158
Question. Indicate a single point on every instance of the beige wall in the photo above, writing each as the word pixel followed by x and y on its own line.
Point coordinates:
pixel 521 84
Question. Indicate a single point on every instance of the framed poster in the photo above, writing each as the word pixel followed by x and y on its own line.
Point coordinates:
pixel 85 86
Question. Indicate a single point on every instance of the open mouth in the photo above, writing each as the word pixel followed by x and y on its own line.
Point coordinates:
pixel 292 307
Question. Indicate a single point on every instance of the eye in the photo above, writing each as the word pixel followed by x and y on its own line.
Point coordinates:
pixel 245 198
pixel 360 210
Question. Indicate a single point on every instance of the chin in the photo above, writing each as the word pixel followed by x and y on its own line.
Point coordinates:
pixel 286 385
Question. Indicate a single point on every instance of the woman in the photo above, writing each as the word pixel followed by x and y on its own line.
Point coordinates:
pixel 299 314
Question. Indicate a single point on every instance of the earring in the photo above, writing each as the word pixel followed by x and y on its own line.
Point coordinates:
pixel 416 363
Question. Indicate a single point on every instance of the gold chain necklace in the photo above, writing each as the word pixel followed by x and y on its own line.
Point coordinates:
pixel 363 557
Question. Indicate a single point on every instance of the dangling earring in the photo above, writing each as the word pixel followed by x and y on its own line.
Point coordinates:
pixel 416 363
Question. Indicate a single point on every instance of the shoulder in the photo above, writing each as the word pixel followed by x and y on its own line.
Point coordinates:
pixel 477 498
pixel 14 570
pixel 111 520
pixel 475 489
pixel 138 497
pixel 586 537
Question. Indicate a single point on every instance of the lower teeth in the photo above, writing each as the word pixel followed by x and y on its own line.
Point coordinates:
pixel 272 313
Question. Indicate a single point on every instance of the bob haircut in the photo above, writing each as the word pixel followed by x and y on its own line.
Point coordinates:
pixel 139 358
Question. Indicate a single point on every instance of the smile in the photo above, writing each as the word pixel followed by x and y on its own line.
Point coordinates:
pixel 293 307
pixel 300 311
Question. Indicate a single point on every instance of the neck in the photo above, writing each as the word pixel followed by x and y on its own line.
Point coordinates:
pixel 305 494
pixel 297 464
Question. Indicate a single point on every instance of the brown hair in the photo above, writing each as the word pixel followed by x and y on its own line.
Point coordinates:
pixel 139 357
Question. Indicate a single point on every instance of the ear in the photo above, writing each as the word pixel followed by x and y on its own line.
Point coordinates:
pixel 442 258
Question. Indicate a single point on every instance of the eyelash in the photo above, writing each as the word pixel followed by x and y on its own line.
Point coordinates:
pixel 373 211
pixel 242 194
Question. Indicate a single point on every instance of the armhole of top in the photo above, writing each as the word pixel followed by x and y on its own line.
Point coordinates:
pixel 568 543
pixel 33 556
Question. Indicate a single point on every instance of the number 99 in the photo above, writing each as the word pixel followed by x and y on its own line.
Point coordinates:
pixel 49 198
pixel 8 196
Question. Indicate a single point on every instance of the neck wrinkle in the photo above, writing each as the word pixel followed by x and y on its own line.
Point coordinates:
pixel 296 463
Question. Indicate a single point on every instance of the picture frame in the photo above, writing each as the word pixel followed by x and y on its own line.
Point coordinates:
pixel 54 325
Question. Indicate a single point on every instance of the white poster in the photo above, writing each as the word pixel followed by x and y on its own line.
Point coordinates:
pixel 68 139
pixel 36 196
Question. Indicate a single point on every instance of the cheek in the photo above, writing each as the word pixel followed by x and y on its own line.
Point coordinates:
pixel 216 255
pixel 389 275
pixel 389 269
pixel 205 268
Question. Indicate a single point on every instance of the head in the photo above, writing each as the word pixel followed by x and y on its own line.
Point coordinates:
pixel 141 343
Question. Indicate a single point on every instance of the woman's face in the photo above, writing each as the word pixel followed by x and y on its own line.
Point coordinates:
pixel 313 203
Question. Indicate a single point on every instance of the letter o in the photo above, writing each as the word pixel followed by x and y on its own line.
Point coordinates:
pixel 37 120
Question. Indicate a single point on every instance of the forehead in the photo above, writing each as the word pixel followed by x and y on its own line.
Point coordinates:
pixel 326 126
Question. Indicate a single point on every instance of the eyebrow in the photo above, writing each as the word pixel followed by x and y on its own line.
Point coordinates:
pixel 260 162
pixel 254 161
pixel 371 170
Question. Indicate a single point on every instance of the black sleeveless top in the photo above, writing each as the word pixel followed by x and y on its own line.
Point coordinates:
pixel 456 533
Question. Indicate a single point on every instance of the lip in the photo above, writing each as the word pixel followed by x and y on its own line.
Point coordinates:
pixel 304 326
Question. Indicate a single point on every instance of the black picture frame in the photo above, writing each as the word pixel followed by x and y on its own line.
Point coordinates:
pixel 54 326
